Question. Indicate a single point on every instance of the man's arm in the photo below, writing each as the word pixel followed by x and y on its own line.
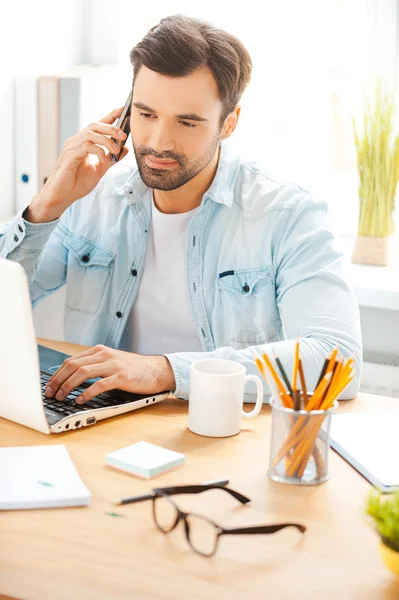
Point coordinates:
pixel 314 301
pixel 38 248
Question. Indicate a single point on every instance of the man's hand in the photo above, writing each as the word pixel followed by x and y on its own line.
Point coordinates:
pixel 121 370
pixel 75 175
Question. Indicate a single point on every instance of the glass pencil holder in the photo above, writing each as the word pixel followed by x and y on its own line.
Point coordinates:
pixel 300 444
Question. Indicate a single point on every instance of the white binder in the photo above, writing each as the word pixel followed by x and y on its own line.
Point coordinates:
pixel 51 108
pixel 88 93
pixel 26 140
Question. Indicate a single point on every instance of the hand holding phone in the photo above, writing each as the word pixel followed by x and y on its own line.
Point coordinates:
pixel 75 175
pixel 124 124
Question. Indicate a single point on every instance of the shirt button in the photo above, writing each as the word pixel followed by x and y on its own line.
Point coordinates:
pixel 20 228
pixel 16 238
pixel 134 272
pixel 119 314
pixel 245 288
pixel 85 258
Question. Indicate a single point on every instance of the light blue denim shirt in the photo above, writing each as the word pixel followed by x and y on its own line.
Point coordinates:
pixel 262 269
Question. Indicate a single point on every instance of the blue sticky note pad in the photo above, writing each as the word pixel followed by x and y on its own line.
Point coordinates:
pixel 144 459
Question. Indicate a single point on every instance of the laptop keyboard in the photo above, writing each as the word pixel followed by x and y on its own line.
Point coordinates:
pixel 68 406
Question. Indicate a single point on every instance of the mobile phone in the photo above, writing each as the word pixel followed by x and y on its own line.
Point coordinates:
pixel 124 124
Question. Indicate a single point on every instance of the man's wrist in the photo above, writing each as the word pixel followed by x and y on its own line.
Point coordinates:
pixel 166 379
pixel 39 212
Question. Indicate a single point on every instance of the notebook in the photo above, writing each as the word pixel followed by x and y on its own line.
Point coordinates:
pixel 368 441
pixel 39 477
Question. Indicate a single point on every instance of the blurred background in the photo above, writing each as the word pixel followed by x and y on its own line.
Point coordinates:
pixel 312 62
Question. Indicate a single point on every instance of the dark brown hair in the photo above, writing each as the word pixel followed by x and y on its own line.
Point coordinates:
pixel 179 45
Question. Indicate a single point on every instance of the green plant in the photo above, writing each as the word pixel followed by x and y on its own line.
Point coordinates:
pixel 383 509
pixel 378 165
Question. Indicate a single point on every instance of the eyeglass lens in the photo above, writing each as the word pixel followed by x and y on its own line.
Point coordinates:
pixel 202 534
pixel 165 513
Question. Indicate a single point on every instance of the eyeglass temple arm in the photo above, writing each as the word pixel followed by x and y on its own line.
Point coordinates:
pixel 135 499
pixel 187 489
pixel 198 489
pixel 182 489
pixel 263 529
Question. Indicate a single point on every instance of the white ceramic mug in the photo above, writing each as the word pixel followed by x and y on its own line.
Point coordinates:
pixel 215 407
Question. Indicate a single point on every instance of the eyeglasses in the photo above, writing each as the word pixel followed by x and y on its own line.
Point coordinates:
pixel 202 534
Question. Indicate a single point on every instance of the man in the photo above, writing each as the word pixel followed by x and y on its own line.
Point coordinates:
pixel 194 254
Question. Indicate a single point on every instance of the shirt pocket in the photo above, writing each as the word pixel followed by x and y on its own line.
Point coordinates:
pixel 249 306
pixel 89 269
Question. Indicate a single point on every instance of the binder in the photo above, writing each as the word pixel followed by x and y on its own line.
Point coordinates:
pixel 48 125
pixel 26 141
pixel 87 94
pixel 53 107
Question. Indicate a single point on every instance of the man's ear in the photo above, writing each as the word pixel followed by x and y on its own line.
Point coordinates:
pixel 230 123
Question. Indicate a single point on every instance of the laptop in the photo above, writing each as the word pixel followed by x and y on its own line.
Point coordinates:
pixel 26 367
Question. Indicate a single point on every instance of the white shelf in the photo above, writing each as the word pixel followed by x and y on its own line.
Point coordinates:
pixel 375 287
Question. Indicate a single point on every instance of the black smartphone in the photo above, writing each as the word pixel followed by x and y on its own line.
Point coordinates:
pixel 124 124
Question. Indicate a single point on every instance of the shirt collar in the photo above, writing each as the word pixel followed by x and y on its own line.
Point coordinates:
pixel 221 189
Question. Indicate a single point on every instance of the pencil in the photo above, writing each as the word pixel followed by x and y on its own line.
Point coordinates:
pixel 314 401
pixel 303 382
pixel 327 368
pixel 270 381
pixel 296 396
pixel 287 401
pixel 283 373
pixel 341 381
pixel 331 362
pixel 295 366
pixel 324 369
pixel 335 377
pixel 334 370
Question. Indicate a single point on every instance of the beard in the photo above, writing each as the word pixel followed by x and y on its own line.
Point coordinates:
pixel 171 179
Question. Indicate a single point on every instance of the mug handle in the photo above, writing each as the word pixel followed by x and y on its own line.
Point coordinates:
pixel 259 397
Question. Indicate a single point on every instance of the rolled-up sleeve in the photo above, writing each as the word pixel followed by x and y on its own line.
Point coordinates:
pixel 314 299
pixel 38 248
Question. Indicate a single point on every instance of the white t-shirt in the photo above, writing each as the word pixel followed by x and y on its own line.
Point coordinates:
pixel 161 320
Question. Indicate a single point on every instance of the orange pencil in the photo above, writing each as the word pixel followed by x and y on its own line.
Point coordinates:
pixel 314 401
pixel 328 402
pixel 277 392
pixel 303 382
pixel 331 363
pixel 345 372
pixel 287 401
pixel 295 367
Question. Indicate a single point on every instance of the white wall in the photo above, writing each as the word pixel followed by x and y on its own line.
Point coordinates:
pixel 380 330
pixel 35 37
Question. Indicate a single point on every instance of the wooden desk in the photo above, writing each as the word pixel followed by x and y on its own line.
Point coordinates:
pixel 84 553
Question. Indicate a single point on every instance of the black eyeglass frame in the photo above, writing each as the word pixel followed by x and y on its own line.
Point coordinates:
pixel 181 515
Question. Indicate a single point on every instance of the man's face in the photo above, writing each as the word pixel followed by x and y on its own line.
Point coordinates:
pixel 174 120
